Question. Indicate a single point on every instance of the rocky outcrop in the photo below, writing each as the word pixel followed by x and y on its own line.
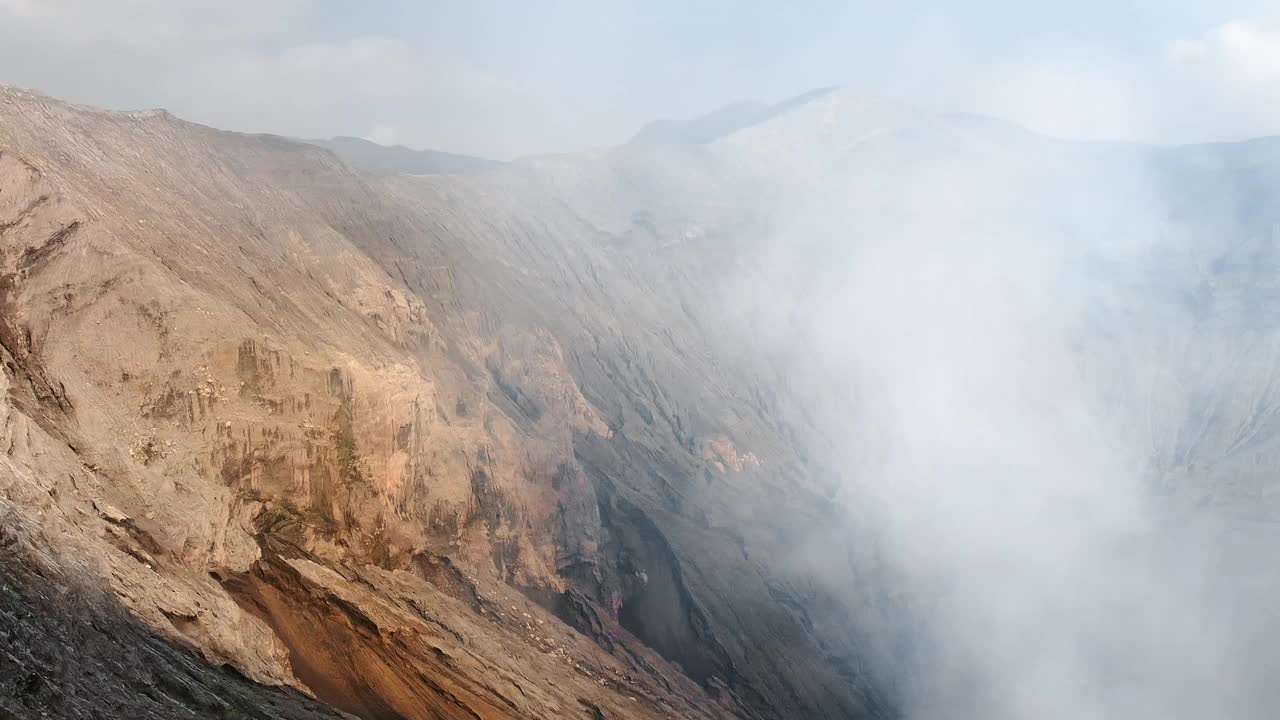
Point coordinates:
pixel 71 650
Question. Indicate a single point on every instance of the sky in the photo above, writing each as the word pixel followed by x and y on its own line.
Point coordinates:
pixel 505 79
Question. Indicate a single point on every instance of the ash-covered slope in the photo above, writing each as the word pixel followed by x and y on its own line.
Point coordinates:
pixel 381 439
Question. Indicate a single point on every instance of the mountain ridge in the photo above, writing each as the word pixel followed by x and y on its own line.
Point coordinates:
pixel 372 157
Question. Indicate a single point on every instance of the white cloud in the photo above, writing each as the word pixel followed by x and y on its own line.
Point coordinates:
pixel 1241 52
pixel 232 64
pixel 1070 98
pixel 1221 84
pixel 140 25
pixel 1225 82
pixel 236 64
pixel 309 90
pixel 312 75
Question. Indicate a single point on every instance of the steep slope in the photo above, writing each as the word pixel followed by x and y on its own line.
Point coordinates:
pixel 71 651
pixel 301 399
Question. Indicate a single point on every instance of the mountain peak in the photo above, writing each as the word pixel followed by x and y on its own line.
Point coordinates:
pixel 720 122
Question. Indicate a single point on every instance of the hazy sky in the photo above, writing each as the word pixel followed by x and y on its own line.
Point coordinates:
pixel 510 78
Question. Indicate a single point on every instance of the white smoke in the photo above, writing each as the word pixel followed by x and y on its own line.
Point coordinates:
pixel 1046 395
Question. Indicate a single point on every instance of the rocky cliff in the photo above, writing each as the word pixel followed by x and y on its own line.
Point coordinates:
pixel 413 446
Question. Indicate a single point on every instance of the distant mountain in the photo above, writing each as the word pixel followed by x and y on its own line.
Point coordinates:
pixel 717 123
pixel 378 159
